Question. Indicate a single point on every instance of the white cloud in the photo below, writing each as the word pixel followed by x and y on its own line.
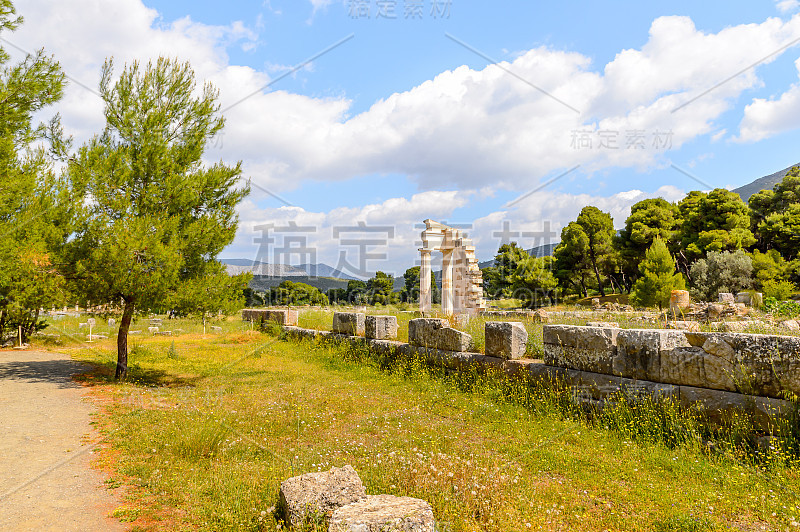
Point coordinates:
pixel 765 118
pixel 536 220
pixel 785 6
pixel 465 128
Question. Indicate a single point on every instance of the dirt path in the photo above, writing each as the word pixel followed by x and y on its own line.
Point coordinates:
pixel 46 444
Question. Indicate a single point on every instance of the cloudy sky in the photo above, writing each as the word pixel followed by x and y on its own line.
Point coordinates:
pixel 356 120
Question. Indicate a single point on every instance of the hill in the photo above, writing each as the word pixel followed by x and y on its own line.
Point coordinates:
pixel 282 271
pixel 262 283
pixel 762 183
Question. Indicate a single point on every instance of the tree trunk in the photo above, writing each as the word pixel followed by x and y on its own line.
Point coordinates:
pixel 122 341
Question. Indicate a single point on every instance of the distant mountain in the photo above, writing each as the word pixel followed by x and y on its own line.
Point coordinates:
pixel 545 250
pixel 762 183
pixel 262 269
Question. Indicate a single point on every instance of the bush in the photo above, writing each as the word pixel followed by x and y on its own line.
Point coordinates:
pixel 724 271
pixel 780 290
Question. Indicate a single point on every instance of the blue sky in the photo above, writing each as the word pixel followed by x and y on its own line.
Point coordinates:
pixel 407 120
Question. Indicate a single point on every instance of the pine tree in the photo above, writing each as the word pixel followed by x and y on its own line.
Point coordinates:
pixel 658 277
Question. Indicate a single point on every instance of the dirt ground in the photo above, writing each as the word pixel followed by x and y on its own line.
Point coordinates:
pixel 46 447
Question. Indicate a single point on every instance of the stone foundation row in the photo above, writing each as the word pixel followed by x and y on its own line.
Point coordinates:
pixel 587 387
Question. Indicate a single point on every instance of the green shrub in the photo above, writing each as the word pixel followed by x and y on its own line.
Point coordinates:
pixel 780 290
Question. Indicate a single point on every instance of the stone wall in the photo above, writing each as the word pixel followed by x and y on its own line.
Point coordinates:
pixel 722 371
pixel 754 364
pixel 280 316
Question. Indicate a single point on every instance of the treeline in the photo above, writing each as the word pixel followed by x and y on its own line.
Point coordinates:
pixel 709 242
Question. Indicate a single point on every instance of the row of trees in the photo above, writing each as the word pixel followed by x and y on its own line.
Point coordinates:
pixel 710 241
pixel 130 221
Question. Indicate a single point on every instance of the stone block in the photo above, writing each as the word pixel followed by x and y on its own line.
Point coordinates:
pixel 349 323
pixel 423 331
pixel 757 364
pixel 639 352
pixel 278 316
pixel 581 348
pixel 380 327
pixel 316 496
pixel 384 513
pixel 448 339
pixel 684 325
pixel 726 298
pixel 506 339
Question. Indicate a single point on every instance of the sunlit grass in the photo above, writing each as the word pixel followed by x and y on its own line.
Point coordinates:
pixel 207 427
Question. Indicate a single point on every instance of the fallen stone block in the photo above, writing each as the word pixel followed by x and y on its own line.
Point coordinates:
pixel 316 496
pixel 384 513
pixel 350 323
pixel 448 339
pixel 505 339
pixel 423 332
pixel 380 327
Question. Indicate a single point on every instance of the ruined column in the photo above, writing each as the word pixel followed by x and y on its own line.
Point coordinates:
pixel 447 282
pixel 425 281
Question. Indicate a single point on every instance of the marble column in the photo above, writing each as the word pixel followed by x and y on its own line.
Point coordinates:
pixel 425 281
pixel 447 282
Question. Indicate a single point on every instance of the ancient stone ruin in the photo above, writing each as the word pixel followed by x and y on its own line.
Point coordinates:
pixel 338 498
pixel 462 282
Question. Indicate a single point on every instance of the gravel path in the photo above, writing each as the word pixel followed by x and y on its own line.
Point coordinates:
pixel 46 444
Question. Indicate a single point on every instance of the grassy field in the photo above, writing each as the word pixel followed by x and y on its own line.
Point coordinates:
pixel 208 425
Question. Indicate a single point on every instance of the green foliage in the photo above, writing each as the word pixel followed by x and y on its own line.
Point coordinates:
pixel 572 267
pixel 534 283
pixel 498 278
pixel 658 277
pixel 410 293
pixel 717 221
pixel 379 288
pixel 158 217
pixel 649 219
pixel 290 293
pixel 788 309
pixel 34 211
pixel 780 290
pixel 721 271
pixel 769 266
pixel 598 226
pixel 782 230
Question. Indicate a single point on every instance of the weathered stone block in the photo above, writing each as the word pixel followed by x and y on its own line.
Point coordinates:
pixel 448 339
pixel 581 348
pixel 679 301
pixel 350 323
pixel 505 339
pixel 639 352
pixel 726 298
pixel 316 496
pixel 384 513
pixel 758 364
pixel 279 316
pixel 380 327
pixel 423 331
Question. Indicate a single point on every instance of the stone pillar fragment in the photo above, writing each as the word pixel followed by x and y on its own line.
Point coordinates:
pixel 425 281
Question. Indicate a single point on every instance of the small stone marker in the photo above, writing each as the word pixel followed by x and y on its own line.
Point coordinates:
pixel 111 322
pixel 380 327
pixel 82 325
pixel 505 339
pixel 92 322
pixel 350 323
pixel 318 495
pixel 679 301
pixel 152 330
pixel 384 513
